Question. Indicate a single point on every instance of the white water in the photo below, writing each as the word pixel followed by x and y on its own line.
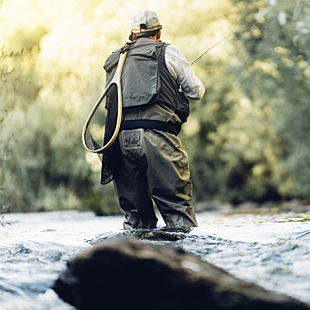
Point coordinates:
pixel 270 250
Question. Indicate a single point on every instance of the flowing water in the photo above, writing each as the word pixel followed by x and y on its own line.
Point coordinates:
pixel 272 250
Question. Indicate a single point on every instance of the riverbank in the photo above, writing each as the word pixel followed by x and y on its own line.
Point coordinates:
pixel 227 208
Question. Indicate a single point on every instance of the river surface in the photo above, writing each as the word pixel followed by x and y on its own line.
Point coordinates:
pixel 272 250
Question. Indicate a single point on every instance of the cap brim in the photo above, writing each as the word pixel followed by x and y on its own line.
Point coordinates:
pixel 139 30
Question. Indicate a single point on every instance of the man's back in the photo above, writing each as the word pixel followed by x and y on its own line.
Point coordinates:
pixel 152 167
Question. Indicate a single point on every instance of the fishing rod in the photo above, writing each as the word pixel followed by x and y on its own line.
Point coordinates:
pixel 211 47
pixel 117 81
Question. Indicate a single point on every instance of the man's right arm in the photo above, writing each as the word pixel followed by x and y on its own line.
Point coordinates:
pixel 182 72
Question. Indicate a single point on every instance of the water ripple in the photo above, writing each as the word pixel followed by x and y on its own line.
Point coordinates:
pixel 272 252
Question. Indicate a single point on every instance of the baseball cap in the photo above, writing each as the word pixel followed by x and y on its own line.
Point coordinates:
pixel 144 20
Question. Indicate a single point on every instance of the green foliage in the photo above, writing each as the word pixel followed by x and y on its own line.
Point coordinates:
pixel 101 202
pixel 251 140
pixel 274 71
pixel 43 164
pixel 232 151
pixel 54 75
pixel 247 139
pixel 207 118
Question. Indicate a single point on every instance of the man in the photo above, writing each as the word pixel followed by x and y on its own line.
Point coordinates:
pixel 151 165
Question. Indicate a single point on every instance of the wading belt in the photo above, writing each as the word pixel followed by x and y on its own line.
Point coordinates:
pixel 151 124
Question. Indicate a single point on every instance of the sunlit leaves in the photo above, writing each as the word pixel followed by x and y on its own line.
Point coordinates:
pixel 247 138
pixel 275 71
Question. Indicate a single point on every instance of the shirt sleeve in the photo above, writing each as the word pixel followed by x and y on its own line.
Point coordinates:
pixel 181 71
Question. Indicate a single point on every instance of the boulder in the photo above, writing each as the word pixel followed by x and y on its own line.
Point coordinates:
pixel 127 273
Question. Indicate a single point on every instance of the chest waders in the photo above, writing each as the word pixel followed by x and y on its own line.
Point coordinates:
pixel 115 81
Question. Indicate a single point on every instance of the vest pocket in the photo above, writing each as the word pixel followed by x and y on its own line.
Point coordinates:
pixel 139 80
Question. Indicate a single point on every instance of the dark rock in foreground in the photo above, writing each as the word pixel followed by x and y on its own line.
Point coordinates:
pixel 128 274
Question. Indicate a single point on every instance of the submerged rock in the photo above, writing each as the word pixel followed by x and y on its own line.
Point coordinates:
pixel 129 274
pixel 157 234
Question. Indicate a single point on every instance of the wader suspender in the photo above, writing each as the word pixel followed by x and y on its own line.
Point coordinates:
pixel 117 81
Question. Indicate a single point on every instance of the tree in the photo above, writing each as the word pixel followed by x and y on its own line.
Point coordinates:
pixel 274 39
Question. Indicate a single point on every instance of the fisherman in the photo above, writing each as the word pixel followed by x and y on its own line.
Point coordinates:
pixel 150 165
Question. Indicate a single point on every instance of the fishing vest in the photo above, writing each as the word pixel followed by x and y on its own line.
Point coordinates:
pixel 146 79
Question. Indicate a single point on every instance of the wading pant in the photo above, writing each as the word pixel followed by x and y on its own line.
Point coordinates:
pixel 154 167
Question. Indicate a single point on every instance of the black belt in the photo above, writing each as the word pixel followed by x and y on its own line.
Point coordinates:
pixel 151 124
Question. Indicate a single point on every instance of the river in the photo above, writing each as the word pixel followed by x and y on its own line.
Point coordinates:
pixel 272 250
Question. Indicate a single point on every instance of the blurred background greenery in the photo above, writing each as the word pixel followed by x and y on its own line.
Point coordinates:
pixel 248 138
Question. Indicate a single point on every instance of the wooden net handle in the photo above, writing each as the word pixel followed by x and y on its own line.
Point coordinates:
pixel 117 81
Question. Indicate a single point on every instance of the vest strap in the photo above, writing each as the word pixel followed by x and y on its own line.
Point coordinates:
pixel 151 124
